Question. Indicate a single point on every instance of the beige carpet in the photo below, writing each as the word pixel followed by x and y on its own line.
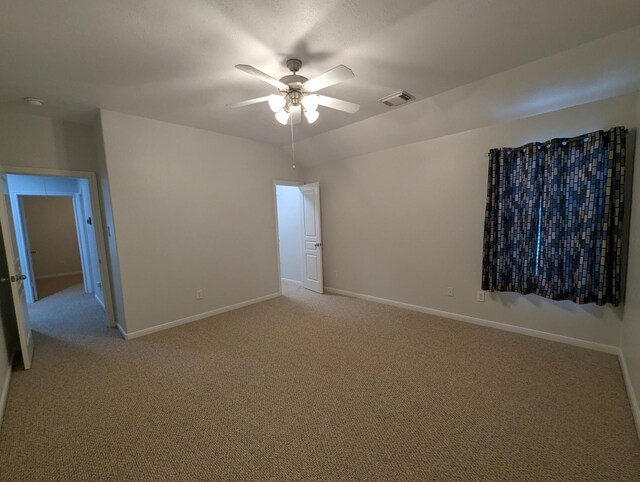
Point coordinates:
pixel 310 387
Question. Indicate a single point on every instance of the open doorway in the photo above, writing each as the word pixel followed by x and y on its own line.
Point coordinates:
pixel 289 206
pixel 55 213
pixel 299 235
pixel 51 243
pixel 83 309
pixel 53 223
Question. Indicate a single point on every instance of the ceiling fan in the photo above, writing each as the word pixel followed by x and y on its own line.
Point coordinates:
pixel 297 93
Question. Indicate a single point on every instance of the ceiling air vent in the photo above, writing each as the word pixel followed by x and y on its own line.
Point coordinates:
pixel 398 98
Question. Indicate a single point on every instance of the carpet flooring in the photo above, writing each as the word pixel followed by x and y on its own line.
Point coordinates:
pixel 311 387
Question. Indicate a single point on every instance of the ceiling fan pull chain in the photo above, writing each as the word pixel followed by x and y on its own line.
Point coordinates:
pixel 293 147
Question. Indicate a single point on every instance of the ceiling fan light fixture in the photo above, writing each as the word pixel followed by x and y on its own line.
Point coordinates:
pixel 282 116
pixel 276 102
pixel 310 102
pixel 297 94
pixel 311 115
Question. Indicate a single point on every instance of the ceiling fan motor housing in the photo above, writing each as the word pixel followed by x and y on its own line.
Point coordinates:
pixel 293 81
pixel 294 65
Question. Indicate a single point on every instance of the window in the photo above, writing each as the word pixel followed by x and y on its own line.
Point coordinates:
pixel 553 223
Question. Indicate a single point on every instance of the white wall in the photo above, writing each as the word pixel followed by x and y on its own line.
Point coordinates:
pixel 406 223
pixel 32 141
pixel 53 236
pixel 192 210
pixel 290 232
pixel 630 339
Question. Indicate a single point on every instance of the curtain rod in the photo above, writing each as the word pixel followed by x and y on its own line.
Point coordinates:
pixel 626 131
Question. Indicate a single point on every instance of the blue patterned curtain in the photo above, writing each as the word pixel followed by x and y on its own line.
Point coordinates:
pixel 581 218
pixel 511 221
pixel 571 220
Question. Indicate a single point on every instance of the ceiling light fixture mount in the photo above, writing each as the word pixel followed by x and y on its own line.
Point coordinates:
pixel 34 101
pixel 297 93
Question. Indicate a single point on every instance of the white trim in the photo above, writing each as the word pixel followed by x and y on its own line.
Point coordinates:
pixel 83 242
pixel 99 302
pixel 614 350
pixel 5 392
pixel 59 275
pixel 123 333
pixel 633 400
pixel 292 281
pixel 189 319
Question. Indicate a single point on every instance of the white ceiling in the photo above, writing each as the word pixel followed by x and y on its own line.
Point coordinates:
pixel 174 60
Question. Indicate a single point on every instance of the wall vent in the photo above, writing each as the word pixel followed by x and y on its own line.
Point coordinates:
pixel 398 98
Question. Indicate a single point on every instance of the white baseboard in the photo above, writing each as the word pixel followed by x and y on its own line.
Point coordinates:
pixel 292 281
pixel 189 319
pixel 5 392
pixel 633 400
pixel 100 302
pixel 58 275
pixel 614 350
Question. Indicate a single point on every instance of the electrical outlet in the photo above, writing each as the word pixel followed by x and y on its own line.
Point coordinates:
pixel 199 295
pixel 480 296
pixel 450 291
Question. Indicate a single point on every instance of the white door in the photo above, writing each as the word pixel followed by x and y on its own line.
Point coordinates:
pixel 312 249
pixel 15 276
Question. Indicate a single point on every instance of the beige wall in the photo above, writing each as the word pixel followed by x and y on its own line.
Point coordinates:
pixel 32 141
pixel 630 339
pixel 406 223
pixel 52 235
pixel 192 210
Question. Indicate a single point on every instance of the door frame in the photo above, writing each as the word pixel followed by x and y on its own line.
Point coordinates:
pixel 277 183
pixel 83 246
pixel 98 225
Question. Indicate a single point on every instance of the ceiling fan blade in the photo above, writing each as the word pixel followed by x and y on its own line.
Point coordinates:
pixel 257 100
pixel 296 114
pixel 330 77
pixel 338 104
pixel 262 76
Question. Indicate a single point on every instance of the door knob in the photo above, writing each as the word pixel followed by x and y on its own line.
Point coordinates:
pixel 317 245
pixel 21 277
